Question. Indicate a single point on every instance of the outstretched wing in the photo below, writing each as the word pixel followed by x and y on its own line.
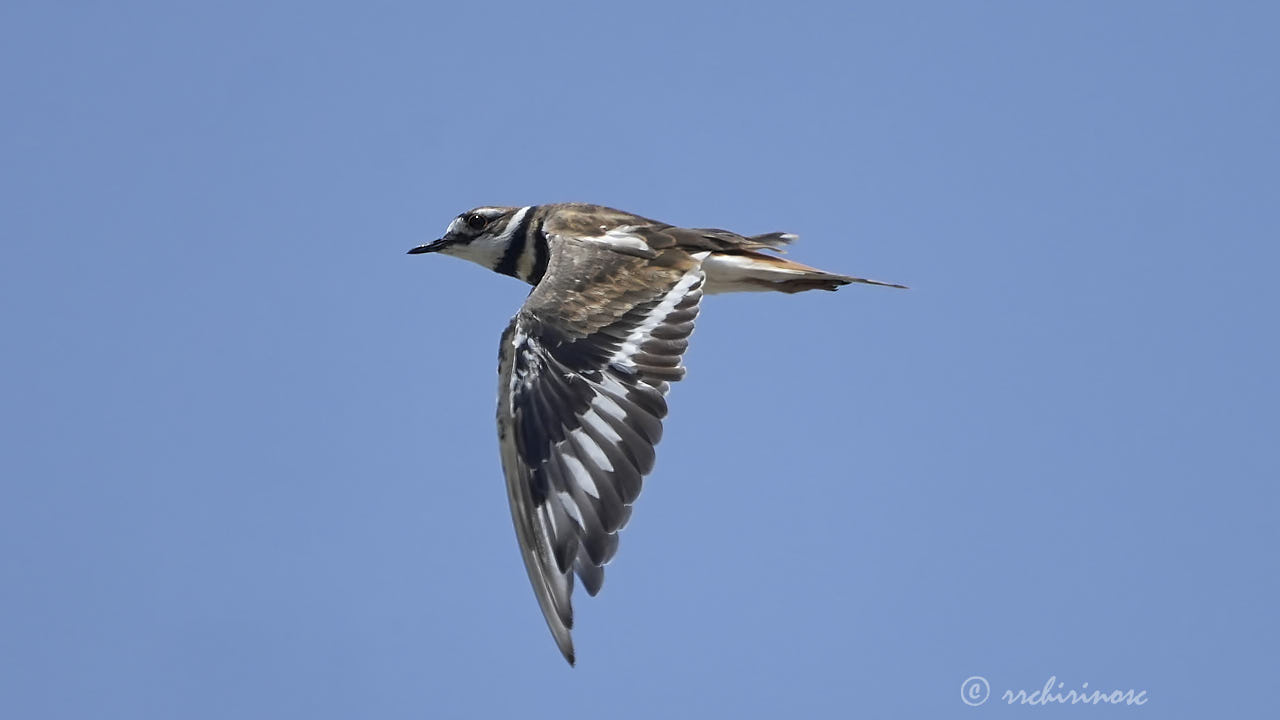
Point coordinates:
pixel 583 370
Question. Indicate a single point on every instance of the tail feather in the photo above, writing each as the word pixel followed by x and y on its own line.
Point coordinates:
pixel 752 271
pixel 774 240
pixel 728 241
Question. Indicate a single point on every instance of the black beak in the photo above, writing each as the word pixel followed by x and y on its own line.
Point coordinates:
pixel 430 247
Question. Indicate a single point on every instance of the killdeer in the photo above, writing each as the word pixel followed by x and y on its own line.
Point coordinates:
pixel 585 365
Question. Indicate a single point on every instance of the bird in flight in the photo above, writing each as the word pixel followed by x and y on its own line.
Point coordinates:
pixel 585 365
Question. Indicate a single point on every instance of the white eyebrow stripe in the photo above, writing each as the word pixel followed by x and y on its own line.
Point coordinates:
pixel 512 224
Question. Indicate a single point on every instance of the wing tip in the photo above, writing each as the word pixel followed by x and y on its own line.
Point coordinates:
pixel 566 649
pixel 868 281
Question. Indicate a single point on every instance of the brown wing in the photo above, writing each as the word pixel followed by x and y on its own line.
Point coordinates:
pixel 583 370
pixel 578 220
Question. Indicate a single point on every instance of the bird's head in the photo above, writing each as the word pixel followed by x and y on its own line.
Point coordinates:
pixel 481 235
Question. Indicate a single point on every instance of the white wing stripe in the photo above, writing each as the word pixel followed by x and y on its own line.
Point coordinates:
pixel 606 404
pixel 597 423
pixel 656 316
pixel 570 507
pixel 580 475
pixel 593 450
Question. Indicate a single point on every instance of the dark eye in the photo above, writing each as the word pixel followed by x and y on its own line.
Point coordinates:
pixel 476 221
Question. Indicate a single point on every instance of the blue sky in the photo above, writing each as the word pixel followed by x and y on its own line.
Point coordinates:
pixel 249 463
